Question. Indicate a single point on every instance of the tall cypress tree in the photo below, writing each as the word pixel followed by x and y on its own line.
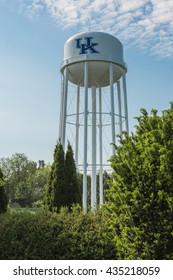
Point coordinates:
pixel 74 192
pixel 63 188
pixel 57 187
pixel 3 198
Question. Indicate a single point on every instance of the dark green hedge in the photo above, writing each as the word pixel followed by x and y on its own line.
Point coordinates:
pixel 44 235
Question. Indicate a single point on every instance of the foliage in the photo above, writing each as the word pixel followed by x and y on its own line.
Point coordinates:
pixel 141 196
pixel 106 180
pixel 23 181
pixel 63 187
pixel 73 188
pixel 106 185
pixel 63 236
pixel 56 192
pixel 3 198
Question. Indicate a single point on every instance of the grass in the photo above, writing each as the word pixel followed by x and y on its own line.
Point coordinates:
pixel 23 209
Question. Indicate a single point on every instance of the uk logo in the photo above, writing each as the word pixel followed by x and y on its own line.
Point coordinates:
pixel 86 47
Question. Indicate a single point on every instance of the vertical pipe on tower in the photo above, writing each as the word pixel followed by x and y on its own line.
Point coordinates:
pixel 65 86
pixel 77 125
pixel 93 174
pixel 61 108
pixel 111 77
pixel 85 136
pixel 100 148
pixel 125 103
pixel 119 106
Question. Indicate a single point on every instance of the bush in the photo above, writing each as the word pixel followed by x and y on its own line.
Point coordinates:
pixel 3 197
pixel 140 198
pixel 43 235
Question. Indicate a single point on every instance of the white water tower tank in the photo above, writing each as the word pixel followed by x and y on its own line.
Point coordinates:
pixel 99 49
pixel 93 106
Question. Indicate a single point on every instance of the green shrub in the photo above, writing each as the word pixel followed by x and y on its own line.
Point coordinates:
pixel 3 197
pixel 44 235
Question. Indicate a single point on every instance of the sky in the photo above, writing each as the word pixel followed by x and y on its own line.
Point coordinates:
pixel 32 37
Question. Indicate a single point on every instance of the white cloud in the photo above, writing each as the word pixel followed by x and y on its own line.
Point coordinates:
pixel 145 24
pixel 31 7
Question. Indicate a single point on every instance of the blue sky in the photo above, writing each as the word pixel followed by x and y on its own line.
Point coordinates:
pixel 32 36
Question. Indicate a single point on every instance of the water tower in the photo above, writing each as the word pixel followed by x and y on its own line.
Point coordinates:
pixel 93 106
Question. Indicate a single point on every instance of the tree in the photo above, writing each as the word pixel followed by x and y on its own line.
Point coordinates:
pixel 63 188
pixel 106 179
pixel 74 191
pixel 25 189
pixel 16 170
pixel 140 199
pixel 56 193
pixel 3 198
pixel 39 180
pixel 23 181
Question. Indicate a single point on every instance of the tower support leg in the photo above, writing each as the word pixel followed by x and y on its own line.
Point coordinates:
pixel 85 136
pixel 93 174
pixel 111 74
pixel 119 107
pixel 77 126
pixel 125 103
pixel 61 108
pixel 100 148
pixel 64 115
